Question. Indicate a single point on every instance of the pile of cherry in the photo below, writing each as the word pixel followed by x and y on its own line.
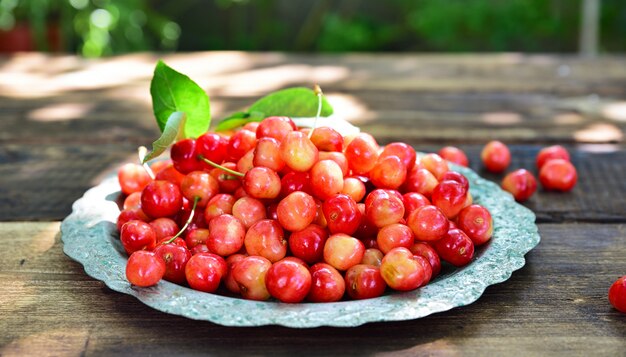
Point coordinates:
pixel 295 214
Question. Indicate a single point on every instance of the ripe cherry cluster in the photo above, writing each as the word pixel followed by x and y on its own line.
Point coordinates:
pixel 556 172
pixel 292 213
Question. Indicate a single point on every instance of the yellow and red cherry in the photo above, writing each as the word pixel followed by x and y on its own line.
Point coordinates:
pixel 496 156
pixel 327 285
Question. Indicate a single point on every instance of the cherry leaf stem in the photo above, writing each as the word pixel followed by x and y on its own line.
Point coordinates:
pixel 193 211
pixel 232 172
pixel 319 94
pixel 142 151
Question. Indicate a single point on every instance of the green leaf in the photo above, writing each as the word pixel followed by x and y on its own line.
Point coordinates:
pixel 175 92
pixel 291 102
pixel 171 132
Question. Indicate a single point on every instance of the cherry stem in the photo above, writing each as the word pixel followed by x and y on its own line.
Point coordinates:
pixel 319 94
pixel 193 210
pixel 232 172
pixel 142 151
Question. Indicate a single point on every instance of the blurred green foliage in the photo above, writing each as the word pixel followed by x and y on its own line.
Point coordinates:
pixel 398 25
pixel 93 28
pixel 103 27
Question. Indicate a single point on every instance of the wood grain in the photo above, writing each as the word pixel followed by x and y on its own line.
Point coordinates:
pixel 556 304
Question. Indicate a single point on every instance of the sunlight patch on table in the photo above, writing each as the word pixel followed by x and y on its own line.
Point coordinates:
pixel 17 295
pixel 615 111
pixel 348 107
pixel 60 112
pixel 599 132
pixel 265 80
pixel 568 118
pixel 501 118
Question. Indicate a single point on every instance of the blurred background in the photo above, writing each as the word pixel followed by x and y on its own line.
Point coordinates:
pixel 96 28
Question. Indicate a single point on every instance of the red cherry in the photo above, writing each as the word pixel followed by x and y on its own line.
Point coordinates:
pixel 476 222
pixel 161 199
pixel 250 275
pixel 558 175
pixel 435 164
pixel 275 127
pixel 326 179
pixel 451 197
pixel 342 214
pixel 170 174
pixel 261 182
pixel 267 239
pixel 520 183
pixel 226 234
pixel 551 152
pixel 496 156
pixel 428 223
pixel 362 153
pixel 144 268
pixel 413 201
pixel 428 252
pixel 130 215
pixel 288 281
pixel 184 156
pixel 298 152
pixel 389 172
pixel 455 247
pixel 137 235
pixel 222 203
pixel 327 285
pixel 617 294
pixel 401 270
pixel 212 146
pixel 342 251
pixel 296 211
pixel 421 181
pixel 164 227
pixel 308 244
pixel 404 152
pixel 229 280
pixel 132 178
pixel 240 143
pixel 295 181
pixel 204 271
pixel 175 258
pixel 383 207
pixel 454 155
pixel 394 236
pixel 364 282
pixel 327 139
pixel 267 153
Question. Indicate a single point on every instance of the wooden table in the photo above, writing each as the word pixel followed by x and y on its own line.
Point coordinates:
pixel 66 121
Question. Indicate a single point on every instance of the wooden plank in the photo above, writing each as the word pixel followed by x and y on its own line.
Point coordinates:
pixel 521 98
pixel 40 182
pixel 556 304
pixel 413 116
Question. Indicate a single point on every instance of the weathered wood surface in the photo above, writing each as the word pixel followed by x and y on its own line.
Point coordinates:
pixel 66 122
pixel 556 304
pixel 419 98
